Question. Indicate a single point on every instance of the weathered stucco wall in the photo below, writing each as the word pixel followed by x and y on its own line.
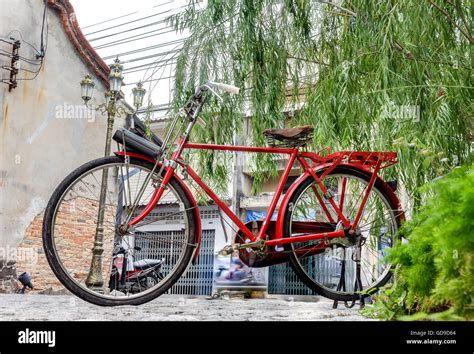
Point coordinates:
pixel 43 133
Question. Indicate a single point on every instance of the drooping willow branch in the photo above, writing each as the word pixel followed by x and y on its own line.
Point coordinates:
pixel 352 77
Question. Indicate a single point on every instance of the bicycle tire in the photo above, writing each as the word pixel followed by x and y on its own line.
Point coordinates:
pixel 54 260
pixel 295 264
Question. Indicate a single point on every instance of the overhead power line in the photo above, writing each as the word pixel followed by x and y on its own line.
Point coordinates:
pixel 122 16
pixel 147 65
pixel 127 23
pixel 136 20
pixel 132 39
pixel 128 30
pixel 130 71
pixel 144 49
pixel 149 56
pixel 151 80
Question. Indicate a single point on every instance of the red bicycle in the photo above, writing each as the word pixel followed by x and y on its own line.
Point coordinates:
pixel 334 224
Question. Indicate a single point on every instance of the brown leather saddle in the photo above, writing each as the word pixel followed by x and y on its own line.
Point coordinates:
pixel 289 137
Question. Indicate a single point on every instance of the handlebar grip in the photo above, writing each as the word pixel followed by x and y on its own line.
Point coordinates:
pixel 226 87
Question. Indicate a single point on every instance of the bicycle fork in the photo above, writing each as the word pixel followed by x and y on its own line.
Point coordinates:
pixel 158 193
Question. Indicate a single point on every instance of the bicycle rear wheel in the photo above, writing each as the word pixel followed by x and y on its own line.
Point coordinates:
pixel 332 272
pixel 80 238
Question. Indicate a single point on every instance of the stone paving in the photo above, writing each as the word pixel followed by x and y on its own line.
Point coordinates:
pixel 175 308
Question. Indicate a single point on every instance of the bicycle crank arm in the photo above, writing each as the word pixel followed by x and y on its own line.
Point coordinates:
pixel 230 249
pixel 257 245
pixel 325 236
pixel 227 250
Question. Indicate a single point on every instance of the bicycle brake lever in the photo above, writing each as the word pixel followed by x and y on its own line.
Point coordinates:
pixel 214 92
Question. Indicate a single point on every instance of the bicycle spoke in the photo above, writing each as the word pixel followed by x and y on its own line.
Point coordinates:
pixel 389 212
pixel 123 189
pixel 154 237
pixel 144 223
pixel 127 164
pixel 100 184
pixel 376 225
pixel 138 183
pixel 77 220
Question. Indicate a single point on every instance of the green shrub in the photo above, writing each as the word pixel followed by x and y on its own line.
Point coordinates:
pixel 434 277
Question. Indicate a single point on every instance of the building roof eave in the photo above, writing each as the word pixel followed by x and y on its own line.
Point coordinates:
pixel 69 22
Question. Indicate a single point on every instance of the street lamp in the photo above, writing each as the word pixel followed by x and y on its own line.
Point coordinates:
pixel 107 96
pixel 138 95
pixel 94 279
pixel 115 77
pixel 87 85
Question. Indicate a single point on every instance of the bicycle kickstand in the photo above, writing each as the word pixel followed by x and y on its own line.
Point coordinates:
pixel 358 285
pixel 342 283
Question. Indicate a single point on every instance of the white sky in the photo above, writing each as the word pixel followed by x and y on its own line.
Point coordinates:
pixel 89 13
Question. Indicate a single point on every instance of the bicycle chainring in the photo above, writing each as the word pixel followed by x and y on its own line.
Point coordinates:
pixel 250 257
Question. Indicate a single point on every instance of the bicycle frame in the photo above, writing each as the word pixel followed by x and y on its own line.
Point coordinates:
pixel 370 162
pixel 367 162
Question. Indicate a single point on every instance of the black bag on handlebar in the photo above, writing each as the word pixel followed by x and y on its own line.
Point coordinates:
pixel 140 130
pixel 135 143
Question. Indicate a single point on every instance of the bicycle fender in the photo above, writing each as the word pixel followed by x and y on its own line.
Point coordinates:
pixel 286 199
pixel 188 194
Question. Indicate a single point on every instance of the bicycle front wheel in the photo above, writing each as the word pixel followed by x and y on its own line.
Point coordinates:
pixel 87 247
pixel 332 271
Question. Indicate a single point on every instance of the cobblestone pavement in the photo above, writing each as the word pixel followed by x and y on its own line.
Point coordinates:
pixel 174 308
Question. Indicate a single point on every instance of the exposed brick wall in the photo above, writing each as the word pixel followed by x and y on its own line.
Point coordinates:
pixel 74 235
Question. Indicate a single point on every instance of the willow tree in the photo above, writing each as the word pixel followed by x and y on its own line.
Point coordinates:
pixel 351 68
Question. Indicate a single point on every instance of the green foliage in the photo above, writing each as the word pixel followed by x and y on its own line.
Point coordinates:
pixel 345 63
pixel 147 120
pixel 435 268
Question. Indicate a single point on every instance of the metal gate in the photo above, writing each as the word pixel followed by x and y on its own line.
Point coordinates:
pixel 283 280
pixel 198 279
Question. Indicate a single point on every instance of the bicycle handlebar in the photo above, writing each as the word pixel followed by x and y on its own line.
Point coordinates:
pixel 194 105
pixel 225 87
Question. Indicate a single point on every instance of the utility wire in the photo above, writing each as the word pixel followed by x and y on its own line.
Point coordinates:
pixel 127 23
pixel 138 70
pixel 146 65
pixel 164 63
pixel 131 39
pixel 29 61
pixel 160 67
pixel 126 31
pixel 176 49
pixel 206 31
pixel 39 54
pixel 22 40
pixel 122 16
pixel 135 28
pixel 42 29
pixel 44 44
pixel 10 41
pixel 144 49
pixel 147 57
pixel 136 20
pixel 152 80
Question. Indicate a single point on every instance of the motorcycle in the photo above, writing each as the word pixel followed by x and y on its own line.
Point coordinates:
pixel 128 276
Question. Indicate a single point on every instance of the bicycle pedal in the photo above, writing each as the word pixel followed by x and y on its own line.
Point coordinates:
pixel 227 250
pixel 257 245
